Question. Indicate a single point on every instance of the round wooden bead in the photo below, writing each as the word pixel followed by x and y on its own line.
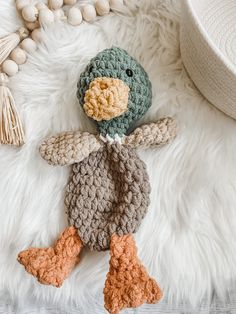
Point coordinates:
pixel 18 55
pixel 36 35
pixel 115 4
pixel 55 4
pixel 10 67
pixel 29 13
pixel 32 25
pixel 102 7
pixel 69 2
pixel 20 4
pixel 46 17
pixel 74 16
pixel 29 45
pixel 89 13
pixel 40 6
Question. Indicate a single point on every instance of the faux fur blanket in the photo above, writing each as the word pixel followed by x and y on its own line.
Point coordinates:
pixel 187 240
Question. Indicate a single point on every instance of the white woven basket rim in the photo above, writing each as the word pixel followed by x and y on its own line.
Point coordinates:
pixel 209 68
pixel 208 39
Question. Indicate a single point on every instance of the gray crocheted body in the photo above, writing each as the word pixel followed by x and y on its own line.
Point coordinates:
pixel 108 193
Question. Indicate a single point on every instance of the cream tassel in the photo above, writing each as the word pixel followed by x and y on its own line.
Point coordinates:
pixel 11 131
pixel 10 42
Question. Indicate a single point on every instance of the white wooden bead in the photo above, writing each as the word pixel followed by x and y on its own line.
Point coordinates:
pixel 74 16
pixel 29 45
pixel 59 14
pixel 102 7
pixel 40 6
pixel 69 2
pixel 116 4
pixel 10 67
pixel 32 25
pixel 29 13
pixel 18 55
pixel 20 4
pixel 46 17
pixel 89 13
pixel 55 4
pixel 36 35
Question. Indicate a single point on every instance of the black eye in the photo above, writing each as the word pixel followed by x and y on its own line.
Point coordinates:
pixel 129 72
pixel 90 69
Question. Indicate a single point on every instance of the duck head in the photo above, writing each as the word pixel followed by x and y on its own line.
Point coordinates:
pixel 115 91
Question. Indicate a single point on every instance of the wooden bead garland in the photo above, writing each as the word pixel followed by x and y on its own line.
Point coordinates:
pixel 69 2
pixel 14 48
pixel 116 4
pixel 32 25
pixel 40 5
pixel 36 35
pixel 46 17
pixel 102 7
pixel 19 56
pixel 29 45
pixel 30 13
pixel 10 67
pixel 74 16
pixel 10 42
pixel 89 13
pixel 20 4
pixel 55 4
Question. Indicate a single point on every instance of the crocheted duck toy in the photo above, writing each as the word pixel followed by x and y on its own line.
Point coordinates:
pixel 107 195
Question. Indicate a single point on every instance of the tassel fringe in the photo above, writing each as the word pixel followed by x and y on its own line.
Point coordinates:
pixel 11 131
pixel 10 42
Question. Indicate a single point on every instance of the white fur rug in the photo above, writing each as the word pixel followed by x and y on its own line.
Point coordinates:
pixel 187 240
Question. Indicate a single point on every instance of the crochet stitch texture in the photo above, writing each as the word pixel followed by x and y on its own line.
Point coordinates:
pixel 69 147
pixel 128 284
pixel 108 193
pixel 106 98
pixel 117 63
pixel 51 265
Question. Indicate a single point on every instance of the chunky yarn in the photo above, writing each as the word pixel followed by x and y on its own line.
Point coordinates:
pixel 128 283
pixel 106 98
pixel 51 266
pixel 116 63
pixel 108 193
pixel 157 133
pixel 68 148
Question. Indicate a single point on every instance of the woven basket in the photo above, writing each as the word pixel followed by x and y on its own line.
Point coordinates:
pixel 208 49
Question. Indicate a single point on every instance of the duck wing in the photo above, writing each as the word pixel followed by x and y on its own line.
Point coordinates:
pixel 153 134
pixel 68 148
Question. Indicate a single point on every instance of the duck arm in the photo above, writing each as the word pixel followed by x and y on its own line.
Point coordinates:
pixel 161 132
pixel 68 148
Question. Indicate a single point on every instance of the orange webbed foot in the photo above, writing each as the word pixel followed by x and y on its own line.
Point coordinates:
pixel 51 266
pixel 127 284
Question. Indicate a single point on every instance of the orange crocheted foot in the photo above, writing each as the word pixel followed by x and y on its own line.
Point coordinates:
pixel 51 266
pixel 127 284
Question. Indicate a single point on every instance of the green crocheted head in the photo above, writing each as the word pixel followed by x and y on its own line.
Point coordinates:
pixel 115 91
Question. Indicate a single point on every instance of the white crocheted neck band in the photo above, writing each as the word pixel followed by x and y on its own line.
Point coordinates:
pixel 208 49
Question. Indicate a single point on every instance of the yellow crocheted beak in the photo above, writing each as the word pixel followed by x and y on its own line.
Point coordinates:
pixel 106 98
